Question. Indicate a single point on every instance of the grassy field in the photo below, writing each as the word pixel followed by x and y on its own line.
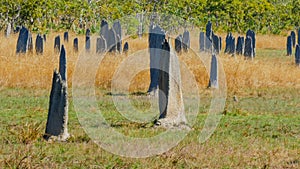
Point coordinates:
pixel 261 130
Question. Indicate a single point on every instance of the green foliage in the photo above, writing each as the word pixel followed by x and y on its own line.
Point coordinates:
pixel 264 16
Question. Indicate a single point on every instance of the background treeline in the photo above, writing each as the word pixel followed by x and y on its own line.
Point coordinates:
pixel 264 16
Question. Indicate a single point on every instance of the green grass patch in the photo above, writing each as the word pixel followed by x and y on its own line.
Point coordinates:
pixel 261 130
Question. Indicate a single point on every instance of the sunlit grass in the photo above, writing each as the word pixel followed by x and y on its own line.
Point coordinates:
pixel 261 130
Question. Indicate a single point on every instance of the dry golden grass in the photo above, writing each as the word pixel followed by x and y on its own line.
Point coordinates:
pixel 245 138
pixel 34 71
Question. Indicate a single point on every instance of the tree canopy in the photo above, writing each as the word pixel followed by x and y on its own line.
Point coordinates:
pixel 264 16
